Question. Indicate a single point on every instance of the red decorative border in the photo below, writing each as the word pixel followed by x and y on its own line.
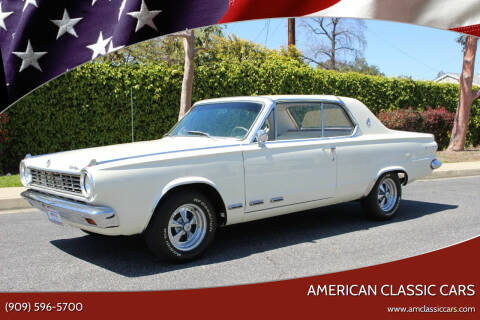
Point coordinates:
pixel 452 266
pixel 261 9
pixel 472 30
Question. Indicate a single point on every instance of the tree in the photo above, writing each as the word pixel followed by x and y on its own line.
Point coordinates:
pixel 187 84
pixel 360 65
pixel 169 49
pixel 466 95
pixel 334 39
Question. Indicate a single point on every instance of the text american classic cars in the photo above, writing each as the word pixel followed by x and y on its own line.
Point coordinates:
pixel 228 161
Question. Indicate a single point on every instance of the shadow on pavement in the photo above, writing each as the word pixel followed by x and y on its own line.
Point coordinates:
pixel 128 256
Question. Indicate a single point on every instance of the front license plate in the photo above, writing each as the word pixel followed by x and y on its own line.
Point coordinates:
pixel 53 215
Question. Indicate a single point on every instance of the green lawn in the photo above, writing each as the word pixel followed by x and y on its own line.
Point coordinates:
pixel 10 181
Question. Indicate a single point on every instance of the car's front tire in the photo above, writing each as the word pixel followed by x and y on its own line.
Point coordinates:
pixel 182 227
pixel 383 201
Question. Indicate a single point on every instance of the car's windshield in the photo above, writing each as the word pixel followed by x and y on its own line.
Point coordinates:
pixel 221 119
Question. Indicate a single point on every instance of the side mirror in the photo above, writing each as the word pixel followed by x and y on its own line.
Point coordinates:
pixel 262 137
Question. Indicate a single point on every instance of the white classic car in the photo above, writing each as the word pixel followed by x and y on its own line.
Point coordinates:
pixel 228 161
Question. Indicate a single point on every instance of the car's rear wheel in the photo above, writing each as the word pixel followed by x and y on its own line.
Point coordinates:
pixel 182 227
pixel 383 201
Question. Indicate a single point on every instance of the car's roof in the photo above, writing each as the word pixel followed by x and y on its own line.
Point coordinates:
pixel 272 98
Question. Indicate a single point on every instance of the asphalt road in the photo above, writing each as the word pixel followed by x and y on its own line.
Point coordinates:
pixel 36 255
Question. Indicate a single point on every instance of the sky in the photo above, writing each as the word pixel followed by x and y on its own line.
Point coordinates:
pixel 398 49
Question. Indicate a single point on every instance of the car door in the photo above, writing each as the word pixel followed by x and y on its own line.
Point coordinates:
pixel 296 165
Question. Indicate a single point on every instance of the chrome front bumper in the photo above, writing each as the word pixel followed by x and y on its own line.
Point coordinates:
pixel 73 212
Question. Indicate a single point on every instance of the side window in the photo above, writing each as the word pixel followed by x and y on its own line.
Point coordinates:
pixel 303 120
pixel 299 120
pixel 269 125
pixel 336 121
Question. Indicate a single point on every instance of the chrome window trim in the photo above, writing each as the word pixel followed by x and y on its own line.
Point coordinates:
pixel 323 119
pixel 274 110
pixel 275 122
pixel 200 103
pixel 257 126
pixel 322 101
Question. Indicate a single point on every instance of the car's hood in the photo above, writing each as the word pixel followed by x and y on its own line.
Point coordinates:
pixel 75 160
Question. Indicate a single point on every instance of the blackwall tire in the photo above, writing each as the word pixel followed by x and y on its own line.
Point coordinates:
pixel 383 201
pixel 182 227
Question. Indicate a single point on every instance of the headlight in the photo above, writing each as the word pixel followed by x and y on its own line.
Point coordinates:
pixel 86 183
pixel 25 174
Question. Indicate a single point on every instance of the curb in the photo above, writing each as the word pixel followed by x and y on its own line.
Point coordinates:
pixel 453 174
pixel 10 199
pixel 13 204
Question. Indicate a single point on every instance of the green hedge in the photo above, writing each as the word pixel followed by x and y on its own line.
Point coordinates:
pixel 90 106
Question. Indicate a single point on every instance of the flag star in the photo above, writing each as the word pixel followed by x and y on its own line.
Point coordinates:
pixel 98 48
pixel 66 25
pixel 29 57
pixel 144 17
pixel 122 7
pixel 111 48
pixel 32 2
pixel 3 16
pixel 94 1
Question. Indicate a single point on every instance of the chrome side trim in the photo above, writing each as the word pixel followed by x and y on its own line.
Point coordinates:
pixel 256 202
pixel 73 212
pixel 289 205
pixel 235 206
pixel 276 199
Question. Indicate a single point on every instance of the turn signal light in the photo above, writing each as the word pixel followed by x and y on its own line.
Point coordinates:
pixel 91 221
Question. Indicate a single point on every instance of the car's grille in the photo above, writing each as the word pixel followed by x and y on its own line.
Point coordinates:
pixel 56 180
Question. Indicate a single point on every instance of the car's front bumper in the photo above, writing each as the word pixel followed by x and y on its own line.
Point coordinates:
pixel 73 212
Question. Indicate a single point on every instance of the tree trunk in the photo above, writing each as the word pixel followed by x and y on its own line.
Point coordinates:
pixel 187 84
pixel 291 31
pixel 466 96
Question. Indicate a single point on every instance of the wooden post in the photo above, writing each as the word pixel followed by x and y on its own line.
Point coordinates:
pixel 291 31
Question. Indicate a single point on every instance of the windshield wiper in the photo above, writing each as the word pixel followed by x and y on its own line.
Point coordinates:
pixel 200 133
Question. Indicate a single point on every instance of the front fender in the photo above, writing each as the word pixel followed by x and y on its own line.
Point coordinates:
pixel 177 183
pixel 185 181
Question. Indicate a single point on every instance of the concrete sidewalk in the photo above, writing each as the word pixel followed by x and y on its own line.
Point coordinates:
pixel 10 197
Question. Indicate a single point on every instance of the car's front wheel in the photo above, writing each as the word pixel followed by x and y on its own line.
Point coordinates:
pixel 182 227
pixel 383 201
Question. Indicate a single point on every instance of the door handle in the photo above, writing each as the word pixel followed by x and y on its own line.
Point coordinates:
pixel 332 151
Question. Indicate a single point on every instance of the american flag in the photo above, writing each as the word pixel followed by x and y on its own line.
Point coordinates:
pixel 42 39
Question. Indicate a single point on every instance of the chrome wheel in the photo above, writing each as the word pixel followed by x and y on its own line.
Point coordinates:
pixel 187 227
pixel 387 194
